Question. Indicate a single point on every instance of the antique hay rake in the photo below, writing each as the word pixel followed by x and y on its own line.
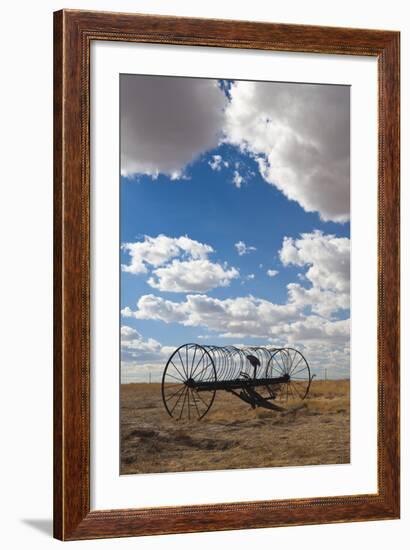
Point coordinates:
pixel 273 378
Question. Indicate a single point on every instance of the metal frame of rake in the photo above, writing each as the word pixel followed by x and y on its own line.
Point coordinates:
pixel 273 378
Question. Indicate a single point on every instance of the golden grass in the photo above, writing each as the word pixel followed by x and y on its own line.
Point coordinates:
pixel 233 435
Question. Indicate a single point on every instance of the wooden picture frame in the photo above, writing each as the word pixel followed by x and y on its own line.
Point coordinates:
pixel 74 32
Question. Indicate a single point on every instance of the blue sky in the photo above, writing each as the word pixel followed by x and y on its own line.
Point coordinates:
pixel 267 224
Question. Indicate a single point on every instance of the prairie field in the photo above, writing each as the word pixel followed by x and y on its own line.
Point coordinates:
pixel 232 434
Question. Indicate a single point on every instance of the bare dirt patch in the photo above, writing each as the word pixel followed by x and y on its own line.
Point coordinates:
pixel 232 435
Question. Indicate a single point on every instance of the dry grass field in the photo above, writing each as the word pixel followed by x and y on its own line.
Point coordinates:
pixel 233 435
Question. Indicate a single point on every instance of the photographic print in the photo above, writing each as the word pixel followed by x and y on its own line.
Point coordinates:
pixel 234 275
pixel 202 275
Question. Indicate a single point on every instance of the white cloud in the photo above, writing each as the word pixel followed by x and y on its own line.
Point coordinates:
pixel 318 330
pixel 166 122
pixel 237 179
pixel 217 163
pixel 272 272
pixel 141 356
pixel 249 277
pixel 325 341
pixel 192 276
pixel 242 248
pixel 157 309
pixel 193 273
pixel 325 344
pixel 299 135
pixel 135 347
pixel 328 260
pixel 157 251
pixel 244 316
pixel 300 138
pixel 128 334
pixel 323 302
pixel 334 358
pixel 241 174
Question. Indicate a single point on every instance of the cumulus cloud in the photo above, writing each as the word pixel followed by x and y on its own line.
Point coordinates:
pixel 244 316
pixel 328 260
pixel 325 343
pixel 272 272
pixel 161 256
pixel 300 137
pixel 140 356
pixel 156 251
pixel 250 317
pixel 217 163
pixel 334 358
pixel 134 347
pixel 298 134
pixel 237 179
pixel 192 276
pixel 242 248
pixel 316 329
pixel 166 122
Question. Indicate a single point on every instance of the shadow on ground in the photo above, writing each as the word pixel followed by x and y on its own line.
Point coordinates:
pixel 45 526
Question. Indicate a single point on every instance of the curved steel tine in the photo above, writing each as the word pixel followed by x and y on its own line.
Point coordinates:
pixel 209 363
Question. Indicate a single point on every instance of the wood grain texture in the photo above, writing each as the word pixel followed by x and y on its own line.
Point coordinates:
pixel 58 280
pixel 73 32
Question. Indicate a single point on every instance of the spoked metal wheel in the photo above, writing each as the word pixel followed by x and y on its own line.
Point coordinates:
pixel 290 363
pixel 188 365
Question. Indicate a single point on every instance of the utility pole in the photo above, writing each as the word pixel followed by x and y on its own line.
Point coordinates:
pixel 325 374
